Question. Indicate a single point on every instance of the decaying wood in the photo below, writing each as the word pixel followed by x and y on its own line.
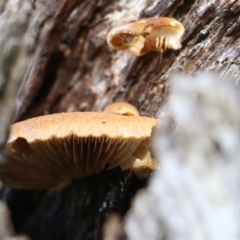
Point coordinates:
pixel 71 68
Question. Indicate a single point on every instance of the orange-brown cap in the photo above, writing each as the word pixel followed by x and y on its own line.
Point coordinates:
pixel 47 150
pixel 122 108
pixel 147 34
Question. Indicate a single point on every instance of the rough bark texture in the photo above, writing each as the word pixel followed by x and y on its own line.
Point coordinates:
pixel 71 68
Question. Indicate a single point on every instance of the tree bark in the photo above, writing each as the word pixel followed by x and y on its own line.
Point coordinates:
pixel 71 68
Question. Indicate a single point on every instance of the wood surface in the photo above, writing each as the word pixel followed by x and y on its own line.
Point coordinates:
pixel 67 66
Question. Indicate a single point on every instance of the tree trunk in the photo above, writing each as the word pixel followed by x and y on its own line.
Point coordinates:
pixel 71 68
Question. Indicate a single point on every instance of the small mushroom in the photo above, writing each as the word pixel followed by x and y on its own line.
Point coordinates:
pixel 48 150
pixel 147 34
pixel 122 108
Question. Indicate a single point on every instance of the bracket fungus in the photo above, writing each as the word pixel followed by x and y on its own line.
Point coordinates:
pixel 48 150
pixel 147 34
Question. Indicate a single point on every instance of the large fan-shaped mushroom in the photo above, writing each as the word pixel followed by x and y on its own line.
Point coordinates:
pixel 47 150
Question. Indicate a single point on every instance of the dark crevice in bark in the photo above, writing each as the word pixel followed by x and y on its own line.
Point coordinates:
pixel 87 202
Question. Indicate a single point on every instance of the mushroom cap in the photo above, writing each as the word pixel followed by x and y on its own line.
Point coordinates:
pixel 122 108
pixel 145 34
pixel 144 25
pixel 48 150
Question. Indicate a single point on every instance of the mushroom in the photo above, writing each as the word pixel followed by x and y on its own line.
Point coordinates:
pixel 48 150
pixel 122 108
pixel 147 34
